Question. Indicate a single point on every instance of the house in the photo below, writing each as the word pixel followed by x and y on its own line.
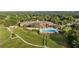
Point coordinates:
pixel 39 24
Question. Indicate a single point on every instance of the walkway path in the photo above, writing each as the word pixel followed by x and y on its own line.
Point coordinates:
pixel 24 40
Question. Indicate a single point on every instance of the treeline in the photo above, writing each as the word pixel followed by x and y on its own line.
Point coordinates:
pixel 12 18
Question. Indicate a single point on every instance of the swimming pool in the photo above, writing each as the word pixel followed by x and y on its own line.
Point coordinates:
pixel 48 30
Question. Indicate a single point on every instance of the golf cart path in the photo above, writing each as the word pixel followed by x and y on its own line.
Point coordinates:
pixel 23 39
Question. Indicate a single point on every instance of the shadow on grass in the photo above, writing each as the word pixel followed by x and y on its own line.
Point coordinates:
pixel 59 39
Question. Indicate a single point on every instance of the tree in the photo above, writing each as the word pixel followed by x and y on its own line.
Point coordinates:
pixel 71 18
pixel 72 39
pixel 9 21
pixel 75 26
pixel 66 29
pixel 57 19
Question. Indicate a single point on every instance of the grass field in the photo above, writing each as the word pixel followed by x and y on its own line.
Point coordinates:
pixel 6 42
pixel 35 38
pixel 29 36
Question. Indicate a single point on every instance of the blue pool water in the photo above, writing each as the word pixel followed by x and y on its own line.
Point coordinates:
pixel 48 30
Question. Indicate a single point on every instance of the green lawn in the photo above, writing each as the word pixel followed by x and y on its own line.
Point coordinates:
pixel 35 38
pixel 29 36
pixel 6 42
